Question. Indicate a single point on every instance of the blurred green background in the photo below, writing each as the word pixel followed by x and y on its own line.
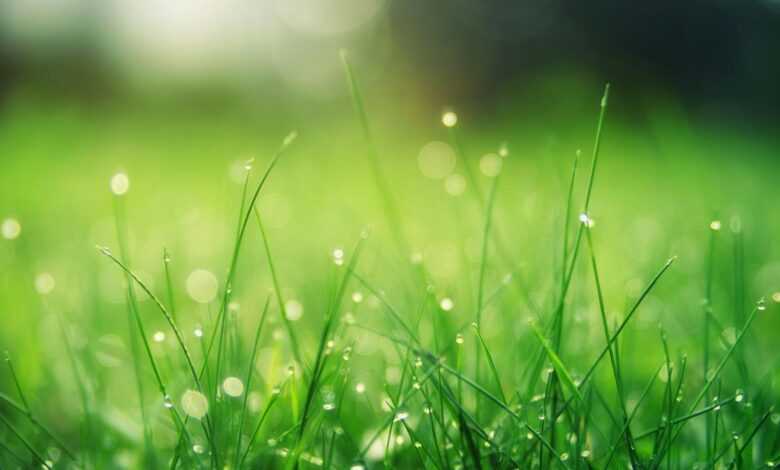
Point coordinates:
pixel 179 95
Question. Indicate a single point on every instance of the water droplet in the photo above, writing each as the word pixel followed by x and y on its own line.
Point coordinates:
pixel 347 353
pixel 418 362
pixel 329 406
pixel 739 395
pixel 455 184
pixel 293 310
pixel 289 139
pixel 715 225
pixel 761 304
pixel 529 436
pixel 585 454
pixel 427 410
pixel 198 332
pixel 11 229
pixel 44 283
pixel 167 402
pixel 503 150
pixel 202 286
pixel 564 456
pixel 776 297
pixel 449 119
pixel 586 220
pixel 357 297
pixel 459 338
pixel 401 416
pixel 446 304
pixel 775 418
pixel 436 160
pixel 194 404
pixel 418 444
pixel 198 448
pixel 233 386
pixel 158 337
pixel 360 387
pixel 338 256
pixel 120 183
pixel 490 165
pixel 357 466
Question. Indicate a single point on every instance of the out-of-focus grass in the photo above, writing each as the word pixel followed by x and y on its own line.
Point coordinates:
pixel 661 181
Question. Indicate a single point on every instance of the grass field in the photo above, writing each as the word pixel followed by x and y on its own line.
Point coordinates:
pixel 558 287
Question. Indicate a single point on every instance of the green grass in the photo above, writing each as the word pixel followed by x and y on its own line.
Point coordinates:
pixel 334 319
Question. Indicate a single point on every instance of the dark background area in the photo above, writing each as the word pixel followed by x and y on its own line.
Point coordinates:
pixel 713 56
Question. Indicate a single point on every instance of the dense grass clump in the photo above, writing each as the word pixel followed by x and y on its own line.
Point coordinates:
pixel 502 364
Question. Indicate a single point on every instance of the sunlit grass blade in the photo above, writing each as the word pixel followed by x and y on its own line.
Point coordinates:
pixel 556 362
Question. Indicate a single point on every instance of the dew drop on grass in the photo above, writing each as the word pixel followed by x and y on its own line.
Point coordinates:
pixel 357 466
pixel 775 418
pixel 400 416
pixel 120 183
pixel 776 297
pixel 436 160
pixel 233 387
pixel 360 387
pixel 715 225
pixel 761 304
pixel 11 228
pixel 446 304
pixel 739 395
pixel 338 256
pixel 455 184
pixel 168 402
pixel 44 283
pixel 198 448
pixel 503 150
pixel 449 119
pixel 564 456
pixel 490 165
pixel 357 297
pixel 329 406
pixel 459 338
pixel 194 404
pixel 198 332
pixel 293 310
pixel 202 286
pixel 158 337
pixel 585 454
pixel 586 220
